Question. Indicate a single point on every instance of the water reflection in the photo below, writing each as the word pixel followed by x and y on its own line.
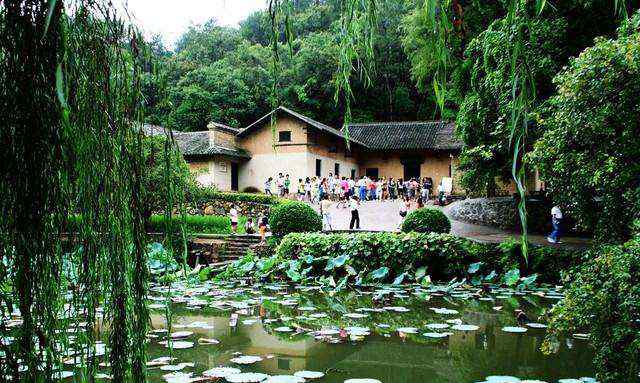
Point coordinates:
pixel 464 356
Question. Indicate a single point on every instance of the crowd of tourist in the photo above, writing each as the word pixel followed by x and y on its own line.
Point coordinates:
pixel 350 193
pixel 339 189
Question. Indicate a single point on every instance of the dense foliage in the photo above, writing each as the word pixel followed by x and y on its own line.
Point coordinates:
pixel 484 119
pixel 165 169
pixel 341 259
pixel 426 220
pixel 225 74
pixel 204 194
pixel 603 300
pixel 193 224
pixel 293 217
pixel 71 102
pixel 589 155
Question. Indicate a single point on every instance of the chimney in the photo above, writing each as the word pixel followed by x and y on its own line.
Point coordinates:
pixel 222 135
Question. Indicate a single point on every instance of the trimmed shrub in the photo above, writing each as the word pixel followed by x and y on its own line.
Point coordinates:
pixel 603 300
pixel 426 220
pixel 207 224
pixel 201 194
pixel 251 189
pixel 293 217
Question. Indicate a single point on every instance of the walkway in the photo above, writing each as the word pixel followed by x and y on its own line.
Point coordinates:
pixel 384 216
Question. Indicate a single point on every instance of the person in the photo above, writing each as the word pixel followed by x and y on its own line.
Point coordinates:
pixel 280 185
pixel 393 189
pixel 267 186
pixel 233 215
pixel 556 220
pixel 355 215
pixel 262 227
pixel 352 186
pixel 425 189
pixel 287 186
pixel 372 190
pixel 307 189
pixel 404 206
pixel 442 200
pixel 248 226
pixel 362 188
pixel 419 202
pixel 301 191
pixel 325 205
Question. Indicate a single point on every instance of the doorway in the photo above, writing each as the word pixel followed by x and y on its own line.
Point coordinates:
pixel 411 170
pixel 234 176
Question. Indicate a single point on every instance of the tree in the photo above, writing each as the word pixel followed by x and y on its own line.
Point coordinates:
pixel 160 167
pixel 589 155
pixel 484 118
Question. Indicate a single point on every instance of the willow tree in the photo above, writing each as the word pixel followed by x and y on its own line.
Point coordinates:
pixel 70 98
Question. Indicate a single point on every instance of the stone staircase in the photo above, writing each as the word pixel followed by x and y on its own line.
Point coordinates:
pixel 220 247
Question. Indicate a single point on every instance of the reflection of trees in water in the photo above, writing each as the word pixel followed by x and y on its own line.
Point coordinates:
pixel 463 357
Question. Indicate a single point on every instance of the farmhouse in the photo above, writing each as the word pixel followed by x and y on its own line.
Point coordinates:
pixel 236 159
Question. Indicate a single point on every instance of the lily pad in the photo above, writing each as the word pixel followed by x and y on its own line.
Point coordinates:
pixel 309 374
pixel 221 372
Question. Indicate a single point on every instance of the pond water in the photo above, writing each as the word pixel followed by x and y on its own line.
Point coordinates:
pixel 391 334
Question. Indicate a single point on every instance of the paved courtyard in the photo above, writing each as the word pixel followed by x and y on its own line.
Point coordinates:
pixel 384 216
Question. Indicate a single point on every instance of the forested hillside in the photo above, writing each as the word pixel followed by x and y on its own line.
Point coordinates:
pixel 225 74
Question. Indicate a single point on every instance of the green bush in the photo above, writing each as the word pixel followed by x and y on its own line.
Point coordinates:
pixel 338 259
pixel 603 300
pixel 293 217
pixel 426 220
pixel 207 224
pixel 203 194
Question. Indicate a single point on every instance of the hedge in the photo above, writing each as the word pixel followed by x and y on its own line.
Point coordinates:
pixel 208 224
pixel 293 217
pixel 336 260
pixel 426 220
pixel 206 194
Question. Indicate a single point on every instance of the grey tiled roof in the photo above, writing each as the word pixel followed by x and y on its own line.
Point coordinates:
pixel 195 144
pixel 434 135
pixel 309 121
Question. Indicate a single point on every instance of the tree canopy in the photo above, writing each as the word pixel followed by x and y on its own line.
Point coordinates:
pixel 589 154
pixel 225 74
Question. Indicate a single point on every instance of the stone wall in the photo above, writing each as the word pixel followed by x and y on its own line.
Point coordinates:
pixel 498 212
pixel 502 212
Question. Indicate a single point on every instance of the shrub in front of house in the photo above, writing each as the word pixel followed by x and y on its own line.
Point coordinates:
pixel 293 217
pixel 204 194
pixel 602 299
pixel 426 220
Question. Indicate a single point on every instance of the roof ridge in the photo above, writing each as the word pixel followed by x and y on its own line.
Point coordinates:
pixel 397 122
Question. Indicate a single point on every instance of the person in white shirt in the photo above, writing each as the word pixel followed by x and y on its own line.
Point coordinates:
pixel 556 221
pixel 325 205
pixel 355 215
pixel 233 215
pixel 441 194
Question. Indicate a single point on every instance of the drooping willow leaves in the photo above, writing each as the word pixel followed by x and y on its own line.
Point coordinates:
pixel 71 99
pixel 358 23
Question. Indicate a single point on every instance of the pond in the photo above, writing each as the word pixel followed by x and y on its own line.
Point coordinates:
pixel 386 333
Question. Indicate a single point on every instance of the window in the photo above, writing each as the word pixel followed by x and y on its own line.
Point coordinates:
pixel 333 149
pixel 372 173
pixel 353 174
pixel 284 136
pixel 318 168
pixel 336 169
